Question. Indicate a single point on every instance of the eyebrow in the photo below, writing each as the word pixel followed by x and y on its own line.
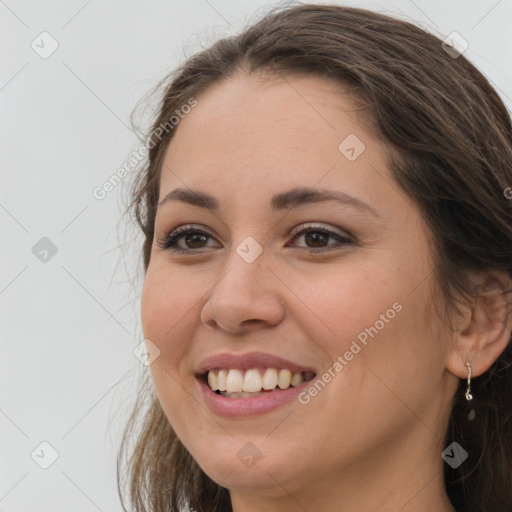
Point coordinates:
pixel 284 200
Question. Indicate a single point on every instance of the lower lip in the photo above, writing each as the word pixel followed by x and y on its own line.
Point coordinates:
pixel 235 407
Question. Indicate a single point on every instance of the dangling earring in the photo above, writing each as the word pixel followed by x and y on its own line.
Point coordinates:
pixel 468 394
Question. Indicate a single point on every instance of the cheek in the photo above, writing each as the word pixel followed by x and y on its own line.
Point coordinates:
pixel 167 306
pixel 167 316
pixel 340 300
pixel 373 317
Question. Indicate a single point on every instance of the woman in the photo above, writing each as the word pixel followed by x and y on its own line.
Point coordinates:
pixel 328 275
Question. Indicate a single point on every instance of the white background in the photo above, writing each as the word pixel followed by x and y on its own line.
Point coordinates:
pixel 69 325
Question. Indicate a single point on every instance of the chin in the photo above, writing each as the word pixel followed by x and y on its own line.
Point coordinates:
pixel 260 477
pixel 243 464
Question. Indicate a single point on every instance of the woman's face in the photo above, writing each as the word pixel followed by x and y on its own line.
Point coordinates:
pixel 348 299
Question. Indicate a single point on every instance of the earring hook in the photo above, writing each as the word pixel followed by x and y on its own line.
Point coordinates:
pixel 468 394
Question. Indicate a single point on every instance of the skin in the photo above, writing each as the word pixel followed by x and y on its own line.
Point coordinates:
pixel 372 438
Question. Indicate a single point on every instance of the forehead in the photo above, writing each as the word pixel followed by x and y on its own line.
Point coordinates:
pixel 259 136
pixel 249 107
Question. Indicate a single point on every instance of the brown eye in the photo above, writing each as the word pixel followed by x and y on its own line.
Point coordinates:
pixel 316 238
pixel 192 238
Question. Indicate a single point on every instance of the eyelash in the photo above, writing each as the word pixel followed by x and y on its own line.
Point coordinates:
pixel 169 241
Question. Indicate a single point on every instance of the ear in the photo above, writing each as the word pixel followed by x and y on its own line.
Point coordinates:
pixel 484 328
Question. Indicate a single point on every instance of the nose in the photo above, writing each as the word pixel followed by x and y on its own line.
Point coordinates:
pixel 245 298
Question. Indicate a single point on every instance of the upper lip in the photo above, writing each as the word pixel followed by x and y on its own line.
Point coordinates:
pixel 248 361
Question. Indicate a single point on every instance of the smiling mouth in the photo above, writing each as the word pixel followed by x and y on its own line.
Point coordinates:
pixel 236 383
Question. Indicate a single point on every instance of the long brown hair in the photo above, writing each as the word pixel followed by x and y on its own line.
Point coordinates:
pixel 454 137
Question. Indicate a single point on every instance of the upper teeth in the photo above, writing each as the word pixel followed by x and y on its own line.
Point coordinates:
pixel 235 381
